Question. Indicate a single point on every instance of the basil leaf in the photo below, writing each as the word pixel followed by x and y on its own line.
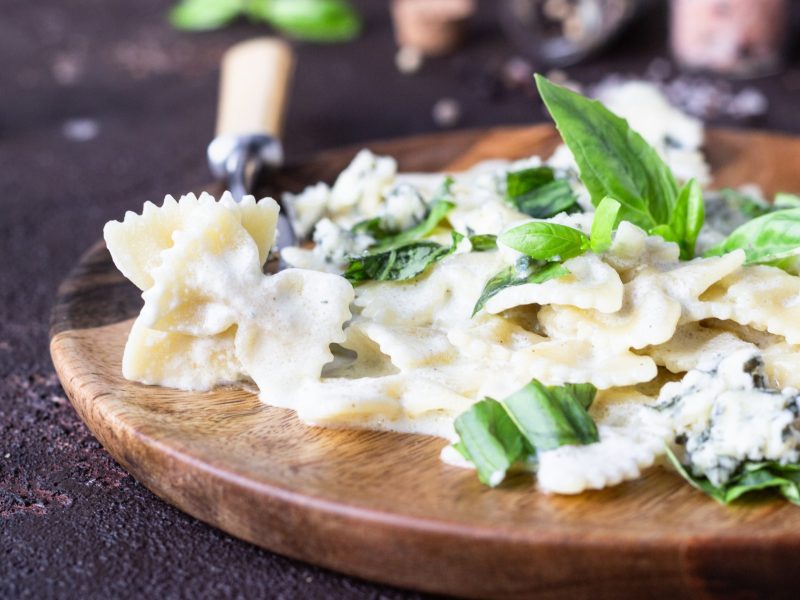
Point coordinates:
pixel 310 20
pixel 549 200
pixel 751 477
pixel 489 439
pixel 545 241
pixel 203 15
pixel 527 180
pixel 699 483
pixel 374 227
pixel 613 159
pixel 551 416
pixel 525 271
pixel 766 239
pixel 605 217
pixel 536 192
pixel 483 242
pixel 686 221
pixel 399 263
pixel 784 200
pixel 441 205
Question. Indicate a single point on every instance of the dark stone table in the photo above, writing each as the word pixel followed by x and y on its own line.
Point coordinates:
pixel 142 98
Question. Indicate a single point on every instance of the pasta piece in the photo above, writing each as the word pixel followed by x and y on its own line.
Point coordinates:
pixel 653 304
pixel 445 294
pixel 489 338
pixel 136 242
pixel 294 317
pixel 782 365
pixel 693 344
pixel 591 284
pixel 180 361
pixel 410 403
pixel 581 361
pixel 204 282
pixel 632 249
pixel 632 436
pixel 764 298
pixel 411 347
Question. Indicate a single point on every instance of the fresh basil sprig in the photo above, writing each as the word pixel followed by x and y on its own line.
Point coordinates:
pixel 537 193
pixel 483 242
pixel 768 239
pixel 686 220
pixel 751 477
pixel 400 262
pixel 525 270
pixel 490 440
pixel 605 217
pixel 612 158
pixel 546 241
pixel 553 416
pixel 495 435
pixel 310 20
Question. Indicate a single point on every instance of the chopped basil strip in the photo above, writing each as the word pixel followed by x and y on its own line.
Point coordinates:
pixel 490 440
pixel 605 217
pixel 536 192
pixel 751 477
pixel 526 270
pixel 612 158
pixel 495 435
pixel 553 416
pixel 374 227
pixel 398 263
pixel 483 242
pixel 527 180
pixel 686 220
pixel 441 205
pixel 784 200
pixel 546 241
pixel 767 239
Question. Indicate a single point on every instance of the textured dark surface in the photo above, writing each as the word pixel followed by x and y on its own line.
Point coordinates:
pixel 72 523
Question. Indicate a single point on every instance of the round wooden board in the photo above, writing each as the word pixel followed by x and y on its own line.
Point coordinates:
pixel 382 506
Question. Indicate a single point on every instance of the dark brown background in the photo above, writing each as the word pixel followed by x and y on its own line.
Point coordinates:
pixel 73 523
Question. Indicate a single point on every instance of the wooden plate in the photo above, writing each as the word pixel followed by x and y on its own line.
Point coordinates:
pixel 382 506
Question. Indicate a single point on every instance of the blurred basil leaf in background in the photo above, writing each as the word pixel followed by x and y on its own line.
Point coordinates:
pixel 308 20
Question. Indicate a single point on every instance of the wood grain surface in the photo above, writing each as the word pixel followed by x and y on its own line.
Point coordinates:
pixel 382 506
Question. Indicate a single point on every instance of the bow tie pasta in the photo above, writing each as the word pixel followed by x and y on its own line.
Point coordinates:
pixel 210 315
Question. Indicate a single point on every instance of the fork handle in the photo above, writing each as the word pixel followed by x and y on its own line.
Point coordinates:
pixel 254 85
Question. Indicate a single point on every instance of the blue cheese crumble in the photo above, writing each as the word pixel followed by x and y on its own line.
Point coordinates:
pixel 724 414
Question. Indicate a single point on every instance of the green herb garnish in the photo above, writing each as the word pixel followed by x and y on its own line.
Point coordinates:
pixel 686 220
pixel 612 158
pixel 490 440
pixel 769 239
pixel 310 20
pixel 496 435
pixel 536 192
pixel 398 263
pixel 526 270
pixel 553 416
pixel 605 217
pixel 750 477
pixel 546 241
pixel 441 204
pixel 483 242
